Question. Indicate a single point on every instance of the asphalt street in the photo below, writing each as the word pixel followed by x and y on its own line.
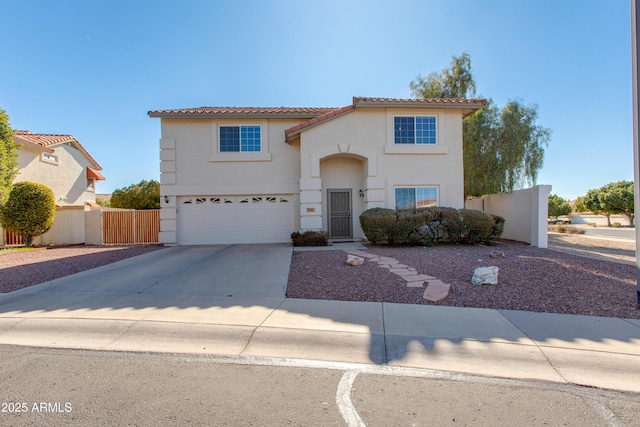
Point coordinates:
pixel 58 387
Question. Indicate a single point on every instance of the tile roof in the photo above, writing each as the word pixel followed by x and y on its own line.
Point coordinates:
pixel 48 141
pixel 466 104
pixel 235 112
pixel 318 115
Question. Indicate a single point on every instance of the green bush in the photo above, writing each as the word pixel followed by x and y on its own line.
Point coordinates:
pixel 29 210
pixel 428 226
pixel 310 238
pixel 497 228
pixel 377 224
pixel 476 226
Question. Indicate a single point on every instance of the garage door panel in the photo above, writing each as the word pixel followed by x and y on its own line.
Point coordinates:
pixel 241 219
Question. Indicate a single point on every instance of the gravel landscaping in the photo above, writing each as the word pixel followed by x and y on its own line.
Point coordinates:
pixel 26 268
pixel 530 279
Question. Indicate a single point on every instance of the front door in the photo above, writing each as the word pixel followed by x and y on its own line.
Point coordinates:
pixel 340 224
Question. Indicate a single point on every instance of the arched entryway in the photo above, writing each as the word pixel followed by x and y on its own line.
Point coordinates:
pixel 343 181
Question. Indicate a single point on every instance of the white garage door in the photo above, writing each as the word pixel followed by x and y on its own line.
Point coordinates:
pixel 235 219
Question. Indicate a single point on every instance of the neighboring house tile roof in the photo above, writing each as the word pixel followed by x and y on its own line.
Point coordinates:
pixel 47 142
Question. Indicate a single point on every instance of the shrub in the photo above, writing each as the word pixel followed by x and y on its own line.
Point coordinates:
pixel 377 224
pixel 437 223
pixel 616 225
pixel 562 228
pixel 29 210
pixel 497 228
pixel 476 226
pixel 310 238
pixel 428 226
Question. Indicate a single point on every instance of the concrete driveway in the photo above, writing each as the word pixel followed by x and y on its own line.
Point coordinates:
pixel 244 271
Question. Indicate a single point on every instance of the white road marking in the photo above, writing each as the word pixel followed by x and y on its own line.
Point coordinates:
pixel 343 399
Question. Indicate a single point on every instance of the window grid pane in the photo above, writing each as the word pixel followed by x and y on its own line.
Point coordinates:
pixel 405 198
pixel 229 138
pixel 426 130
pixel 404 132
pixel 426 196
pixel 250 137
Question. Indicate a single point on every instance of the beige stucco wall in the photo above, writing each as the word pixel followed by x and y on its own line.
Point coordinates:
pixel 191 165
pixel 67 178
pixel 68 228
pixel 354 151
pixel 367 136
pixel 525 213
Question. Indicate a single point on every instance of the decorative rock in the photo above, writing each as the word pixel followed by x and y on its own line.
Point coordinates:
pixel 497 254
pixel 354 260
pixel 418 284
pixel 362 254
pixel 418 277
pixel 436 291
pixel 403 272
pixel 485 276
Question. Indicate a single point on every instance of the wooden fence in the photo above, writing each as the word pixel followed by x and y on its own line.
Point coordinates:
pixel 126 227
pixel 12 239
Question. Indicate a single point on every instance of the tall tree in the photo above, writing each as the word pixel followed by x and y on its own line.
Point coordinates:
pixel 503 148
pixel 144 195
pixel 8 157
pixel 454 82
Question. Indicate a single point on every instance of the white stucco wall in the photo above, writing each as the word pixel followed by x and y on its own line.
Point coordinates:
pixel 525 213
pixel 67 177
pixel 191 165
pixel 68 228
pixel 355 151
pixel 366 135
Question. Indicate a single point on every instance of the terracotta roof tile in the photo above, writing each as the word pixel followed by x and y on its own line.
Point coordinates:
pixel 427 101
pixel 384 102
pixel 48 141
pixel 241 111
pixel 317 115
pixel 43 140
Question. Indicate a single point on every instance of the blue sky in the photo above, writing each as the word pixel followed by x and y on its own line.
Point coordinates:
pixel 94 69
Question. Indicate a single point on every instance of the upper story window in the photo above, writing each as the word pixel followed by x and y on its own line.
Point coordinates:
pixel 240 139
pixel 50 158
pixel 414 130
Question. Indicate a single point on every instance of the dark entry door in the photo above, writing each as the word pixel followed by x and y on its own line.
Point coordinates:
pixel 340 224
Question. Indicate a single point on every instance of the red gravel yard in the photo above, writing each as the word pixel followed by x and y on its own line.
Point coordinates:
pixel 529 279
pixel 26 268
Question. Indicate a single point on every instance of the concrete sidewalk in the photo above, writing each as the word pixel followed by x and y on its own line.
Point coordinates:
pixel 591 351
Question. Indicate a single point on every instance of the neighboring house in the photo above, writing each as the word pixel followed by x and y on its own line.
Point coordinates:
pixel 61 163
pixel 254 175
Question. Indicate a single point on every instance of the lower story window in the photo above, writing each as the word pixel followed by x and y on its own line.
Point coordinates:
pixel 416 197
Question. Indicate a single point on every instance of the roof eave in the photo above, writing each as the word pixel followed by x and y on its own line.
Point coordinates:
pixel 473 105
pixel 182 115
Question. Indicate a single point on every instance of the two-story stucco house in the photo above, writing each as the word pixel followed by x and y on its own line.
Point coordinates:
pixel 254 175
pixel 61 163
